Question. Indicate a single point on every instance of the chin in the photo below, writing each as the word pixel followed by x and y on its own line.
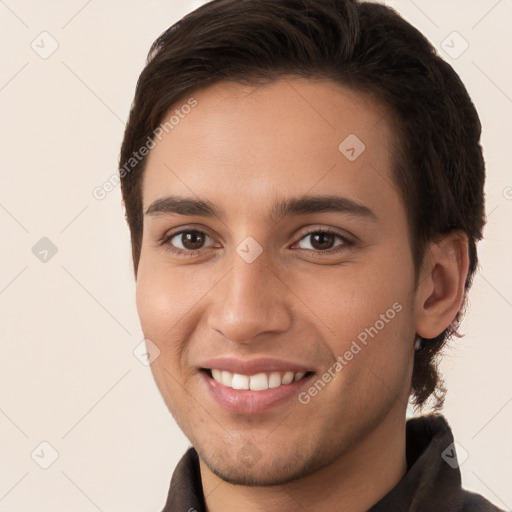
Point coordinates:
pixel 250 467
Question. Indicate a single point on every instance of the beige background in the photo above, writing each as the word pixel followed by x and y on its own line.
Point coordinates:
pixel 69 325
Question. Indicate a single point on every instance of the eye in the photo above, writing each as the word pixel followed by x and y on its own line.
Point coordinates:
pixel 185 242
pixel 189 242
pixel 323 241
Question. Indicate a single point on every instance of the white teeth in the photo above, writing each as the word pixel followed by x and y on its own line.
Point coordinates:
pixel 287 378
pixel 240 381
pixel 274 380
pixel 299 376
pixel 226 378
pixel 258 382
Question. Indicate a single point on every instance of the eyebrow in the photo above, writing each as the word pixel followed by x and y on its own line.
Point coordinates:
pixel 305 204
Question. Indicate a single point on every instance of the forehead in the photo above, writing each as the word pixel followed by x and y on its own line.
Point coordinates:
pixel 258 142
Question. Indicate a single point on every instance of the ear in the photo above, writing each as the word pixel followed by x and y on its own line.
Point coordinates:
pixel 440 291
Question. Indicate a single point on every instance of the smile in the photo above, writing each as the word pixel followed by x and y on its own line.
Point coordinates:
pixel 253 386
pixel 257 382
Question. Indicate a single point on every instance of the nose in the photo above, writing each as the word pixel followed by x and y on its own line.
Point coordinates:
pixel 250 301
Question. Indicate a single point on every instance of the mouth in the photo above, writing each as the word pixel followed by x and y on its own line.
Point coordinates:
pixel 253 386
pixel 258 382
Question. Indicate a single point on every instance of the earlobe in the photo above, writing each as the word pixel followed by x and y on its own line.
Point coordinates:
pixel 441 287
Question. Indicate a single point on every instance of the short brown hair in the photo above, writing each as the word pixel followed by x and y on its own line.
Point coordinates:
pixel 439 167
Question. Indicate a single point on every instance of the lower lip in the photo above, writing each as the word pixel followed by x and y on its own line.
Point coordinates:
pixel 245 401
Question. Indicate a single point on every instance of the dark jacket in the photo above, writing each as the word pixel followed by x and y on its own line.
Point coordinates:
pixel 432 482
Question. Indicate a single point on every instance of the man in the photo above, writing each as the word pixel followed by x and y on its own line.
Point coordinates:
pixel 303 183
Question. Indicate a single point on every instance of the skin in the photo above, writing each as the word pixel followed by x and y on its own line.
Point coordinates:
pixel 242 148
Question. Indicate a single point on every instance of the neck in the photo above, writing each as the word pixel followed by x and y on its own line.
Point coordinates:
pixel 357 480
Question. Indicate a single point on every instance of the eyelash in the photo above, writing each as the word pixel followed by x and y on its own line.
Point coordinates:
pixel 165 240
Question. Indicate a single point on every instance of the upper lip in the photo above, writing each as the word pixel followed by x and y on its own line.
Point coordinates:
pixel 253 366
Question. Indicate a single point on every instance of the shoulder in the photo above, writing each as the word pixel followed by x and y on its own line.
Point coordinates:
pixel 476 503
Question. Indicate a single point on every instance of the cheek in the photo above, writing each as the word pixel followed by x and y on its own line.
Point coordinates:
pixel 353 299
pixel 165 300
pixel 366 312
pixel 164 303
pixel 160 310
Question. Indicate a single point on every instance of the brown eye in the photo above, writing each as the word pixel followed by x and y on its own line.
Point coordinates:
pixel 192 240
pixel 186 241
pixel 322 240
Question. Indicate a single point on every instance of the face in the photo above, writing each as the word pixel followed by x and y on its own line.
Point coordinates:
pixel 281 264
